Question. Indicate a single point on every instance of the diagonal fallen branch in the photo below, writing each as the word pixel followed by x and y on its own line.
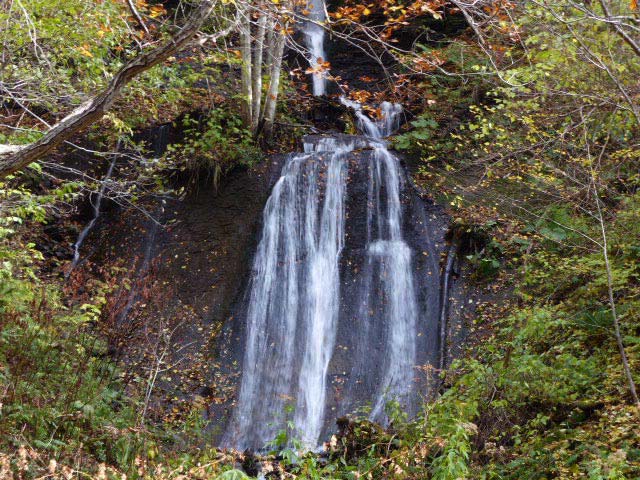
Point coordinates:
pixel 16 157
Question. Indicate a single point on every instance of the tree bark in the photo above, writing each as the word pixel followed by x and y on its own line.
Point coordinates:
pixel 14 158
pixel 245 51
pixel 274 83
pixel 270 43
pixel 256 73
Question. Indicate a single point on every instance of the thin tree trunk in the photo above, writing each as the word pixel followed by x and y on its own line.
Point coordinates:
pixel 274 84
pixel 256 72
pixel 612 304
pixel 245 50
pixel 270 47
pixel 270 44
pixel 16 157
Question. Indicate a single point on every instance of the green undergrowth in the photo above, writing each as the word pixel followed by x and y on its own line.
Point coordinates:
pixel 541 396
pixel 58 390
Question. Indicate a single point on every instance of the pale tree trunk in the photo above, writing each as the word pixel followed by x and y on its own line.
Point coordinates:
pixel 274 83
pixel 269 42
pixel 16 157
pixel 270 52
pixel 256 72
pixel 245 50
pixel 261 55
pixel 604 246
pixel 612 303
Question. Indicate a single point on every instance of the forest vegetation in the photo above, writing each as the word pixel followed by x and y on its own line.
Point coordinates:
pixel 523 122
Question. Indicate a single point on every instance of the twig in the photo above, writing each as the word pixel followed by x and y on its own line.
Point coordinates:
pixel 136 14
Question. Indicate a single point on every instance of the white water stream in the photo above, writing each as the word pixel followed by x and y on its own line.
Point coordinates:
pixel 293 306
pixel 314 38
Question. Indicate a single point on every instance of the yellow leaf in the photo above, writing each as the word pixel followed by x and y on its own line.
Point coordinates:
pixel 156 11
pixel 84 50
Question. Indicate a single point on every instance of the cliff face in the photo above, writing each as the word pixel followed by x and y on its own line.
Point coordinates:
pixel 180 265
pixel 189 275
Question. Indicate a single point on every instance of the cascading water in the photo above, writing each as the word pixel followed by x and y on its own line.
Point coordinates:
pixel 294 300
pixel 336 317
pixel 389 257
pixel 314 39
pixel 295 297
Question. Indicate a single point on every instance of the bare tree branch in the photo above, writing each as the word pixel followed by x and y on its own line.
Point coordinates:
pixel 137 16
pixel 14 158
pixel 619 30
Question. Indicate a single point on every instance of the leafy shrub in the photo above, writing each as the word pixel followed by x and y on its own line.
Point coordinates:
pixel 213 144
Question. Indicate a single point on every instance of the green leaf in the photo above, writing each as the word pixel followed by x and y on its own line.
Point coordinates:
pixel 233 475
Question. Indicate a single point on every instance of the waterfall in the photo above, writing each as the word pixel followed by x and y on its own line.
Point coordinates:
pixel 393 294
pixel 321 312
pixel 368 126
pixel 296 303
pixel 388 123
pixel 388 286
pixel 294 300
pixel 314 39
pixel 295 295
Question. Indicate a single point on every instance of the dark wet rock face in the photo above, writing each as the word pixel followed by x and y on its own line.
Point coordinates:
pixel 211 237
pixel 327 116
pixel 194 273
pixel 179 276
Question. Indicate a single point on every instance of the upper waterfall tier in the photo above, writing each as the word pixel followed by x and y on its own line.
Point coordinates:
pixel 314 39
pixel 387 124
pixel 333 143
